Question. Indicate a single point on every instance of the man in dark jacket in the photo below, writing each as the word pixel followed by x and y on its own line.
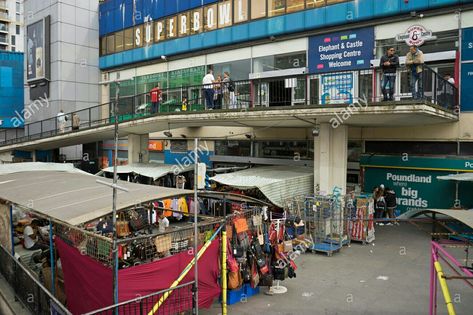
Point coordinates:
pixel 391 203
pixel 388 65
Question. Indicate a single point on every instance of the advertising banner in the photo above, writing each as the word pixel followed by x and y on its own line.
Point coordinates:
pixel 35 51
pixel 337 88
pixel 348 50
pixel 414 179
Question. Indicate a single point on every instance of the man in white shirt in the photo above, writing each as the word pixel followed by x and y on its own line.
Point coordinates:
pixel 207 82
pixel 30 238
pixel 163 223
pixel 61 121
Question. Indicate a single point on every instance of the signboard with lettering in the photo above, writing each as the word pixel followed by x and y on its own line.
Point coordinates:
pixel 415 35
pixel 349 50
pixel 466 102
pixel 414 179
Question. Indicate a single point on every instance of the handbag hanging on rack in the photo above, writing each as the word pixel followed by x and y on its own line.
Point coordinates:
pixel 123 227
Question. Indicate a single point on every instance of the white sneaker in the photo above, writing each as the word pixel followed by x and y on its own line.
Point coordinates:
pixel 389 223
pixel 381 224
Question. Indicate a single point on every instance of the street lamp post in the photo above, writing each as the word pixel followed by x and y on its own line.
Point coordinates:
pixel 196 272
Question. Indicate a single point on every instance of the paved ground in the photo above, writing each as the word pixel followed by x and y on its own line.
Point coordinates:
pixel 347 282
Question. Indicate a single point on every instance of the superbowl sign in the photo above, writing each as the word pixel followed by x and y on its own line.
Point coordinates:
pixel 350 50
pixel 415 35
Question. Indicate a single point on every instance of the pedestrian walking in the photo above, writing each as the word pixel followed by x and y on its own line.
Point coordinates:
pixel 379 204
pixel 389 64
pixel 207 83
pixel 155 95
pixel 61 121
pixel 415 62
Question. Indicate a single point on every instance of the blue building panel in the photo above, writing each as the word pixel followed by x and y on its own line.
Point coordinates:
pixel 11 89
pixel 118 14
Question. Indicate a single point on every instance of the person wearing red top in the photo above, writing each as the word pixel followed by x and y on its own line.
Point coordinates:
pixel 155 95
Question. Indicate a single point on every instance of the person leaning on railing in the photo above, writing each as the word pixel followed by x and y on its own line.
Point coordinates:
pixel 415 61
pixel 389 64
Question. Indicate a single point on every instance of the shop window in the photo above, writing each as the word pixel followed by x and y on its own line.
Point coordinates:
pixel 138 36
pixel 184 24
pixel 110 44
pixel 279 62
pixel 179 146
pixel 238 69
pixel 224 13
pixel 354 151
pixel 295 5
pixel 365 85
pixel 103 46
pixel 240 11
pixel 160 30
pixel 128 39
pixel 210 17
pixel 258 9
pixel 233 148
pixel 197 21
pixel 466 148
pixel 276 7
pixel 411 147
pixel 310 4
pixel 119 41
pixel 286 149
pixel 329 2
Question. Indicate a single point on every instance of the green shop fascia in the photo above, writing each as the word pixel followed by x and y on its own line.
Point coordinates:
pixel 414 179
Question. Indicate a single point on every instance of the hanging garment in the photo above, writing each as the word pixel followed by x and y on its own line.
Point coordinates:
pixel 182 206
pixel 167 205
pixel 175 207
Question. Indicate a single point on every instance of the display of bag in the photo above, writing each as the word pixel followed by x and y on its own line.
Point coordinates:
pixel 163 243
pixel 267 244
pixel 238 250
pixel 257 220
pixel 259 235
pixel 232 264
pixel 258 254
pixel 235 280
pixel 280 273
pixel 288 246
pixel 245 273
pixel 254 275
pixel 266 280
pixel 138 218
pixel 105 226
pixel 240 225
pixel 123 227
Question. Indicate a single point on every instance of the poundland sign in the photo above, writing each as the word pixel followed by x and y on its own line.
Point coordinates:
pixel 414 179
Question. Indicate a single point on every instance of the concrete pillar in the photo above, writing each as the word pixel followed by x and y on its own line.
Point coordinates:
pixel 138 144
pixel 33 155
pixel 330 158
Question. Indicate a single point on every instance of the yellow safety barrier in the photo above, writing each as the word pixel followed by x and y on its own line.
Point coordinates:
pixel 183 274
pixel 224 273
pixel 444 286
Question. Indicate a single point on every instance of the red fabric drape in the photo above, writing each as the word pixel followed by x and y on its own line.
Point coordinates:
pixel 88 284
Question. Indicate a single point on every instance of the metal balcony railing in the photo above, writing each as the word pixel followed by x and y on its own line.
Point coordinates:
pixel 323 90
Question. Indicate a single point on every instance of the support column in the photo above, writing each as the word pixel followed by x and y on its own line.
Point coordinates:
pixel 33 155
pixel 330 158
pixel 138 144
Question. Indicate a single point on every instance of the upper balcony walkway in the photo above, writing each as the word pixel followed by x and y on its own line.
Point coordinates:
pixel 348 98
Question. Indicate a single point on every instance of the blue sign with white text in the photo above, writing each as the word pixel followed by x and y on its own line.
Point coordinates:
pixel 467 44
pixel 466 84
pixel 348 50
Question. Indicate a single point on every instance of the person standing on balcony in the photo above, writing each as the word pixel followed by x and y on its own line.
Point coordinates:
pixel 75 121
pixel 155 95
pixel 218 92
pixel 61 121
pixel 415 61
pixel 227 88
pixel 388 64
pixel 207 83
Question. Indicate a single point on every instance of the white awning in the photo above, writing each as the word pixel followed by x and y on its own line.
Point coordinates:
pixel 38 166
pixel 464 216
pixel 277 183
pixel 72 196
pixel 463 177
pixel 152 170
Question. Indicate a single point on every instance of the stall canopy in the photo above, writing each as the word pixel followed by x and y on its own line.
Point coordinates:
pixel 277 183
pixel 463 177
pixel 70 195
pixel 463 216
pixel 152 170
